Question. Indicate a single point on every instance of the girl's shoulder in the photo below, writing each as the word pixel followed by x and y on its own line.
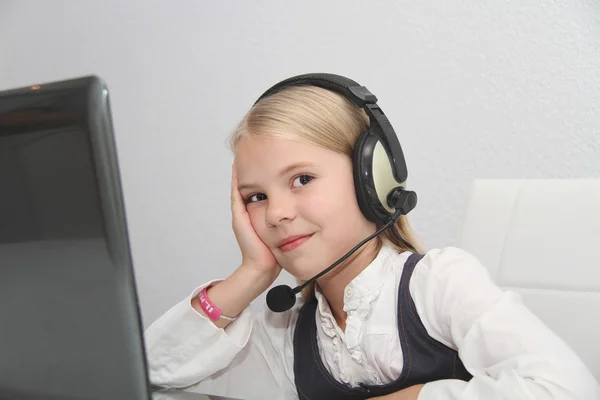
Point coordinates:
pixel 450 260
pixel 451 272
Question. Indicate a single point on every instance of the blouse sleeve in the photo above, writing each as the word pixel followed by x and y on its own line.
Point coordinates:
pixel 252 358
pixel 508 350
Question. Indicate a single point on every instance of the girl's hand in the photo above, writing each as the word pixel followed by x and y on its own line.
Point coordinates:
pixel 255 254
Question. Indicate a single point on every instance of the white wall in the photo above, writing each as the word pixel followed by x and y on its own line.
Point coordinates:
pixel 474 89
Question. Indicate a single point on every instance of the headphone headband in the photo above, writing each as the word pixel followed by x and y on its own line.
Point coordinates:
pixel 357 94
pixel 361 97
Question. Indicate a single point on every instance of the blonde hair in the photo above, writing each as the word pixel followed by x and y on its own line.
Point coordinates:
pixel 318 117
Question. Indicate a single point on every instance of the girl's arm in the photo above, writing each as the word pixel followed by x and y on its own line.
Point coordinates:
pixel 508 350
pixel 251 358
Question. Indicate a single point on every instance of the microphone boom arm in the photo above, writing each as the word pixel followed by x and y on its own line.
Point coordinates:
pixel 392 221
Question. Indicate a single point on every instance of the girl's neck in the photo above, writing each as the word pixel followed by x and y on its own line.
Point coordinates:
pixel 333 284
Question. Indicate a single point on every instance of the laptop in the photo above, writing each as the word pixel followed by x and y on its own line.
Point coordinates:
pixel 70 325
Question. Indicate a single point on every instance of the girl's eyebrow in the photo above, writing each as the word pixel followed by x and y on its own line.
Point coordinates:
pixel 294 166
pixel 284 171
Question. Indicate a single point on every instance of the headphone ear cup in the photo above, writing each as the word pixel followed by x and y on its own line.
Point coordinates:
pixel 360 178
pixel 362 166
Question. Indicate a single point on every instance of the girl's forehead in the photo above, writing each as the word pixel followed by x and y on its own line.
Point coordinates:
pixel 268 156
pixel 275 150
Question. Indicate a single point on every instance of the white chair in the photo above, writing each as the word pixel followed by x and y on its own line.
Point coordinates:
pixel 541 239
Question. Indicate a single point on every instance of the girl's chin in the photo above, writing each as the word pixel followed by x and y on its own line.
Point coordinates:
pixel 300 276
pixel 305 278
pixel 300 273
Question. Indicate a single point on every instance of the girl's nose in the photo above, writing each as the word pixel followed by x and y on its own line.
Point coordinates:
pixel 280 208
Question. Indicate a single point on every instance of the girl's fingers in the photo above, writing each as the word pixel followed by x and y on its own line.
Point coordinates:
pixel 237 203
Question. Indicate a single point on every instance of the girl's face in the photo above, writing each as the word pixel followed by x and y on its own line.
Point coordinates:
pixel 292 190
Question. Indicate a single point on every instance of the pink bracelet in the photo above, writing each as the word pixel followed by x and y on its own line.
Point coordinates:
pixel 210 309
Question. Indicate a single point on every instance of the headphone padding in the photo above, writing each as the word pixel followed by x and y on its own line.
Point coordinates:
pixel 364 201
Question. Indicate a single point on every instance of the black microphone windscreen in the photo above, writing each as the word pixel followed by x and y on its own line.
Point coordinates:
pixel 281 298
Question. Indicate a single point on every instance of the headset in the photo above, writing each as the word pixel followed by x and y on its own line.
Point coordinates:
pixel 378 165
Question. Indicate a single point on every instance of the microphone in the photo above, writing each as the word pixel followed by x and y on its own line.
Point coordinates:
pixel 281 298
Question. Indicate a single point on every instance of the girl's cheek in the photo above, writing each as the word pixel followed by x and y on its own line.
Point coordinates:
pixel 317 198
pixel 255 218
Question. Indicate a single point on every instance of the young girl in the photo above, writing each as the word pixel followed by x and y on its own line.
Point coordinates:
pixel 387 322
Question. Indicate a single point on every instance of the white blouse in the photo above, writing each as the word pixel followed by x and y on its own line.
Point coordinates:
pixel 509 351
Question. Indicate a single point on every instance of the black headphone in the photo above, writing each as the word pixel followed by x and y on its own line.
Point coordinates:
pixel 378 166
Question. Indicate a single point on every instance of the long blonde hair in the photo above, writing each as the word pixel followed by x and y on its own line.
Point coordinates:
pixel 318 117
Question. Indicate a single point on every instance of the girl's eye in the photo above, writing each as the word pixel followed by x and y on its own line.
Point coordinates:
pixel 302 180
pixel 256 197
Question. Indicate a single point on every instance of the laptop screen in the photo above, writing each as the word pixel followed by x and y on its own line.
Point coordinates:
pixel 69 319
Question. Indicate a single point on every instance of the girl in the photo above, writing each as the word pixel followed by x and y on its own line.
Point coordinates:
pixel 387 322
